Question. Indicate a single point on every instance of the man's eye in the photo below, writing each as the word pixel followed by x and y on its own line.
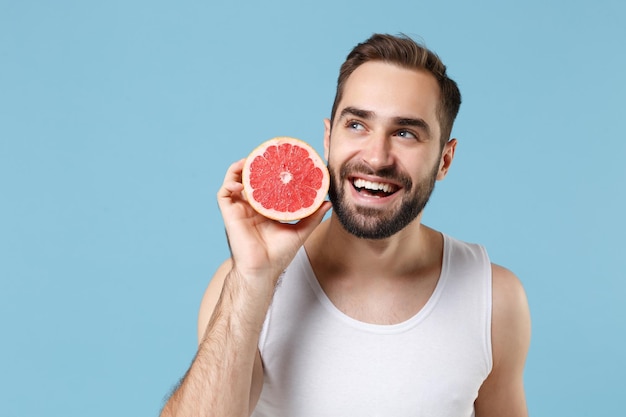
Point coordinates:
pixel 406 134
pixel 354 125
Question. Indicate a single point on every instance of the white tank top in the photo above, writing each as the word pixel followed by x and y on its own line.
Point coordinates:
pixel 319 362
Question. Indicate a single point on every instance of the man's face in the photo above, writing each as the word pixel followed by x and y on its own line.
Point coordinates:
pixel 384 150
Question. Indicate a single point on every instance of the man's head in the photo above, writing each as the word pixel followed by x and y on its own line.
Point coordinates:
pixel 392 119
pixel 404 52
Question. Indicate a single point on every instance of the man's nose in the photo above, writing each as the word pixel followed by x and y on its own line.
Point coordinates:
pixel 378 151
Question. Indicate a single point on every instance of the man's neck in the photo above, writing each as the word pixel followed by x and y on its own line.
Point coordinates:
pixel 334 250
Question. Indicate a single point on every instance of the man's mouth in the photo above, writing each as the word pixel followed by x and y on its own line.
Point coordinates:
pixel 373 188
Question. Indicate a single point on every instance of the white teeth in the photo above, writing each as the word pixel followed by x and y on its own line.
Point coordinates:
pixel 374 186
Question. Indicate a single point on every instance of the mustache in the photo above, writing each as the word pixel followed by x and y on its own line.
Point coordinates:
pixel 391 173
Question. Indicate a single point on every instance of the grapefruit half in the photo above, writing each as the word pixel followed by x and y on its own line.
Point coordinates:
pixel 285 179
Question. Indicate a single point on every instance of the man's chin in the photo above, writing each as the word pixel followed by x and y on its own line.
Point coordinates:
pixel 366 226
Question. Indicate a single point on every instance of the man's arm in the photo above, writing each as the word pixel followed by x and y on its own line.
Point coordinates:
pixel 225 377
pixel 502 393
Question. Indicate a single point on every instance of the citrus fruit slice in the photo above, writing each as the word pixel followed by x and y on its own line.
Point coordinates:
pixel 285 179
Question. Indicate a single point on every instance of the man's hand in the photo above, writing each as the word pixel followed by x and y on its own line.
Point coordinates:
pixel 260 247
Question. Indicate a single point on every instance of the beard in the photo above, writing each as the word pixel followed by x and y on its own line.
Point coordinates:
pixel 376 223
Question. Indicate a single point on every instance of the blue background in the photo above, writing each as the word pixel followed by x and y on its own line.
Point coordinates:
pixel 119 118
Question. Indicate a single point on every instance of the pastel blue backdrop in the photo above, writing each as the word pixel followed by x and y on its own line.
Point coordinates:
pixel 119 118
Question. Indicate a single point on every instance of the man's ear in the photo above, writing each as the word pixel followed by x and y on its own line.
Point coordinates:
pixel 446 159
pixel 326 138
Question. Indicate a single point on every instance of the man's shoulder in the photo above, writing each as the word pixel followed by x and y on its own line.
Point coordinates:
pixel 511 314
pixel 508 289
pixel 509 296
pixel 507 285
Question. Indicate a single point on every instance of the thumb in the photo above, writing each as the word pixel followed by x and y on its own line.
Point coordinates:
pixel 308 224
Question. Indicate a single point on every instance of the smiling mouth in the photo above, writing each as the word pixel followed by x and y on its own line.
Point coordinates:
pixel 374 189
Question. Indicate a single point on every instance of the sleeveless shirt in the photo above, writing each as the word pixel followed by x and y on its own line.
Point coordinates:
pixel 319 362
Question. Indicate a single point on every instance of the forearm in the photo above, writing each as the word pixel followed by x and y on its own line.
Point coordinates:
pixel 218 383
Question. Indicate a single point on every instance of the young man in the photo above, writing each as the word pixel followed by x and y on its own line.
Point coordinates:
pixel 369 313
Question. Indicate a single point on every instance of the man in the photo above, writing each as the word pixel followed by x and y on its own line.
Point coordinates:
pixel 369 313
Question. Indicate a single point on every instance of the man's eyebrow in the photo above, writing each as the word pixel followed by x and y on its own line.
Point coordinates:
pixel 353 111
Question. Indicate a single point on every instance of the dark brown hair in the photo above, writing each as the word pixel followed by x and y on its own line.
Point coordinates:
pixel 404 52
